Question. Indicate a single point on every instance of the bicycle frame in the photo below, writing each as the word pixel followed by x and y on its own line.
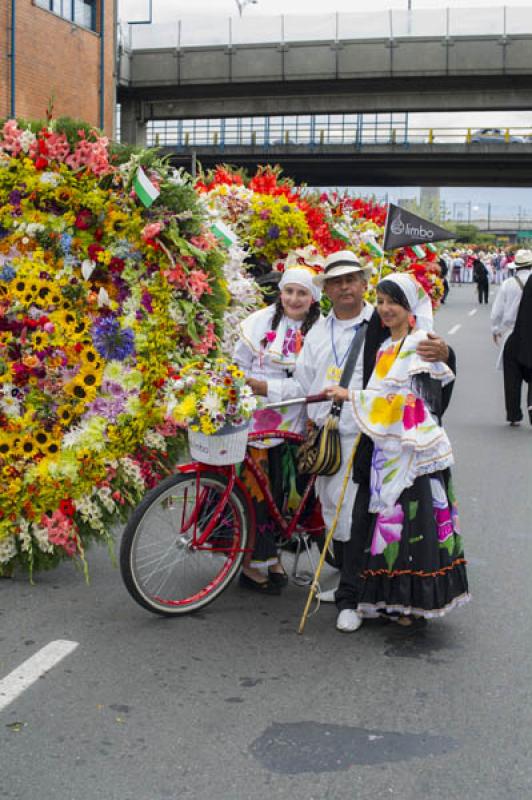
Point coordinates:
pixel 286 528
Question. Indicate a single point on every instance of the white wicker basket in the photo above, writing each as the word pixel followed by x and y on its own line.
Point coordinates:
pixel 227 446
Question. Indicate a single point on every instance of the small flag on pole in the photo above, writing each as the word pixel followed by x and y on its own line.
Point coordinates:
pixel 418 250
pixel 369 240
pixel 144 188
pixel 341 233
pixel 224 233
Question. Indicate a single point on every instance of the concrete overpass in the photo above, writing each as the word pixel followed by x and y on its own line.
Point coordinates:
pixel 377 165
pixel 337 74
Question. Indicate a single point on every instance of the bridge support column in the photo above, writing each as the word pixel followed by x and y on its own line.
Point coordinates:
pixel 132 124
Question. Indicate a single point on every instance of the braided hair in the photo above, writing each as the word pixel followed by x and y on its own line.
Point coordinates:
pixel 312 316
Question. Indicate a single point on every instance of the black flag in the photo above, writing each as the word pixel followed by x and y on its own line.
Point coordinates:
pixel 404 228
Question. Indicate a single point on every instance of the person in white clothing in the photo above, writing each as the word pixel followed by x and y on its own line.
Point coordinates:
pixel 503 318
pixel 266 351
pixel 321 362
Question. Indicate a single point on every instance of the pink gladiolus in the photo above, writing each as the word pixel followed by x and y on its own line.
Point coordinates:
pixel 58 147
pixel 209 341
pixel 60 531
pixel 11 134
pixel 198 283
pixel 151 231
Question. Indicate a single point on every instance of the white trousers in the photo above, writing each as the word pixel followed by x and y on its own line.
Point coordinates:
pixel 329 490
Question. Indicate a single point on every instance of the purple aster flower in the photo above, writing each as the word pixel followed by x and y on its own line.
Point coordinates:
pixel 106 407
pixel 273 232
pixel 146 301
pixel 15 197
pixel 111 341
pixel 7 273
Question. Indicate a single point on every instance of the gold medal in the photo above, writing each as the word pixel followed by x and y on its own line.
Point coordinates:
pixel 333 374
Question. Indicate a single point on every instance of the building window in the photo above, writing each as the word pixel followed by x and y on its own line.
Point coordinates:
pixel 82 12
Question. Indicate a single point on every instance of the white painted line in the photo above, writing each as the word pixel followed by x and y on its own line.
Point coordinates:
pixel 454 329
pixel 32 669
pixel 473 312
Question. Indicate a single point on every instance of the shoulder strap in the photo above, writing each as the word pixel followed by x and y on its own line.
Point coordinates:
pixel 519 281
pixel 354 350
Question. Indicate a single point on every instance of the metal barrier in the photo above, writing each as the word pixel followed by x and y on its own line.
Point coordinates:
pixel 355 130
pixel 192 31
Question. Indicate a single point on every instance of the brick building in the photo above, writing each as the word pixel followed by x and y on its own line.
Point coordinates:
pixel 60 49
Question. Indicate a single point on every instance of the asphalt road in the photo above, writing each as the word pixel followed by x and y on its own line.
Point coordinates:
pixel 231 703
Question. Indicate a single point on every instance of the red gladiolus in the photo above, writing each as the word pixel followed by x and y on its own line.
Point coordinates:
pixel 67 507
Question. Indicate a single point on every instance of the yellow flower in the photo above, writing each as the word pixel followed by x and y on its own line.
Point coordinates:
pixel 186 409
pixel 387 410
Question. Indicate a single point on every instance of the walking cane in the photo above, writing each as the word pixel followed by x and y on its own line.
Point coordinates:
pixel 330 534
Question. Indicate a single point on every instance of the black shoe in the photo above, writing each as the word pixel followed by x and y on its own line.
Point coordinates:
pixel 262 587
pixel 278 578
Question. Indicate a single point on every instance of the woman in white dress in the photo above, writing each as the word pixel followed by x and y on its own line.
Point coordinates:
pixel 269 343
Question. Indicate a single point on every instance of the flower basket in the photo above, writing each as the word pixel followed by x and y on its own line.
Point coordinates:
pixel 226 446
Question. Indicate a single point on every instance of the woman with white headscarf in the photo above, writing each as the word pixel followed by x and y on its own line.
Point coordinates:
pixel 407 560
pixel 269 343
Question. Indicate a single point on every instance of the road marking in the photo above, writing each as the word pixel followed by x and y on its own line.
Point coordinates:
pixel 454 329
pixel 473 312
pixel 32 669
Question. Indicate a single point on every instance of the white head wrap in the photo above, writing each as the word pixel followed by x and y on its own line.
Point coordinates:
pixel 416 296
pixel 301 275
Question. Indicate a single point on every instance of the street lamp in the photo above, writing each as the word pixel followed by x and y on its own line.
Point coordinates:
pixel 241 4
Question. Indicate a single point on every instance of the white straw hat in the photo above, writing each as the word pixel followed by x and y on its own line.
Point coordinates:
pixel 343 262
pixel 523 258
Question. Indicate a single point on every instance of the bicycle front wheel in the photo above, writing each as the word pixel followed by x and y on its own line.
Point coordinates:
pixel 161 567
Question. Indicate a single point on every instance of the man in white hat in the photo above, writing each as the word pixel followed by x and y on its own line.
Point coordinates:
pixel 503 318
pixel 320 363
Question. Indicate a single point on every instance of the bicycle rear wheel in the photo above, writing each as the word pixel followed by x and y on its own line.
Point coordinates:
pixel 160 567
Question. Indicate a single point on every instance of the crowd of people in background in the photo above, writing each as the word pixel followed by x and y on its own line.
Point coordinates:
pixel 461 265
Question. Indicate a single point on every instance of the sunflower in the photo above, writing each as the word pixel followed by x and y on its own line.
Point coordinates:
pixel 40 340
pixel 79 391
pixel 28 447
pixel 64 415
pixel 90 356
pixel 41 438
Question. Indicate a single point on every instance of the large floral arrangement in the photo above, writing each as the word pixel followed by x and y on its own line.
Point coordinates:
pixel 101 301
pixel 209 395
pixel 277 221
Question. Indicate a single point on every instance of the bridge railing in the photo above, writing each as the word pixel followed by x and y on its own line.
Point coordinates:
pixel 355 130
pixel 204 30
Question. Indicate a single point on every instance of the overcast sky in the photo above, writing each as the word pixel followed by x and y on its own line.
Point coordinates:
pixel 170 9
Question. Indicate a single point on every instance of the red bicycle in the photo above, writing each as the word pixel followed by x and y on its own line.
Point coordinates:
pixel 186 540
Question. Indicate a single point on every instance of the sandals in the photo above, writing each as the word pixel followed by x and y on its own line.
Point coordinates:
pixel 410 623
pixel 262 587
pixel 278 578
pixel 405 621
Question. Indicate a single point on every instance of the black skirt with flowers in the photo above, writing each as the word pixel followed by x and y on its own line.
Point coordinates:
pixel 409 562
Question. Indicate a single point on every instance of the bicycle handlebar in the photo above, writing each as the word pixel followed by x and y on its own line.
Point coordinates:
pixel 312 398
